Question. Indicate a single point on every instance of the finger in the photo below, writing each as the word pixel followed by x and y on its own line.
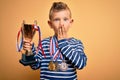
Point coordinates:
pixel 25 47
pixel 59 31
pixel 62 30
pixel 27 43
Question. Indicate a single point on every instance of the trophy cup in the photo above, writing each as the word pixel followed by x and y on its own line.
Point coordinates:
pixel 28 32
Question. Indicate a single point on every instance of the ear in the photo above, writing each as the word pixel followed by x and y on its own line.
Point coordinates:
pixel 71 21
pixel 50 23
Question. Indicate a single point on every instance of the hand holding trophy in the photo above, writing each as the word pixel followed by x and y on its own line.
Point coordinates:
pixel 27 33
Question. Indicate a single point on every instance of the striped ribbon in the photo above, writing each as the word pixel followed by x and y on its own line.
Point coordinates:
pixel 19 45
pixel 54 50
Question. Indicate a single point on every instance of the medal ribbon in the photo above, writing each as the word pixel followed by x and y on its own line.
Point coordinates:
pixel 19 46
pixel 54 50
pixel 40 43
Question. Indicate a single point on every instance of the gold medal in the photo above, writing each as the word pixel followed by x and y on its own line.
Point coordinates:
pixel 51 66
pixel 63 66
pixel 56 66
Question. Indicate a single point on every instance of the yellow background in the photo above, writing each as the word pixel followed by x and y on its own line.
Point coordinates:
pixel 96 23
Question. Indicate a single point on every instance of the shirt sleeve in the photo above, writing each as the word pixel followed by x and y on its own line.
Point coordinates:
pixel 38 58
pixel 74 51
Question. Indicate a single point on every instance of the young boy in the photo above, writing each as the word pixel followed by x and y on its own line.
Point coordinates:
pixel 62 55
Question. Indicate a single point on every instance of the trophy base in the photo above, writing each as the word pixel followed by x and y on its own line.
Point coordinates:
pixel 27 60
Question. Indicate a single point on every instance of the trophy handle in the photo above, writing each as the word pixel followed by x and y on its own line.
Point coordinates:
pixel 35 22
pixel 23 23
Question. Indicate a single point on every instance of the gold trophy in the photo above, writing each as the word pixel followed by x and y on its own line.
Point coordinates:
pixel 28 32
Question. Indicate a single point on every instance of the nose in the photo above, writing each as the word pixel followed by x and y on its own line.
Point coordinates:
pixel 61 23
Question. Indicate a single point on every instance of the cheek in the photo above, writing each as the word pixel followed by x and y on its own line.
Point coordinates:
pixel 67 26
pixel 55 26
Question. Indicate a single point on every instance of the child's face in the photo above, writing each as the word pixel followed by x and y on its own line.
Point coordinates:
pixel 61 21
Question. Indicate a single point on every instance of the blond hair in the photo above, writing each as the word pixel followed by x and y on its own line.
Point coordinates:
pixel 58 6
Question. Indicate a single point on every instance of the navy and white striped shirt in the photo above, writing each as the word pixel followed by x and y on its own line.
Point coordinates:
pixel 73 52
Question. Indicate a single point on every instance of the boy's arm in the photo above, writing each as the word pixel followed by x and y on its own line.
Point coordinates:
pixel 38 58
pixel 74 52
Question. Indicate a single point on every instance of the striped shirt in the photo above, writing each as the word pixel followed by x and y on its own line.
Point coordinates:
pixel 73 51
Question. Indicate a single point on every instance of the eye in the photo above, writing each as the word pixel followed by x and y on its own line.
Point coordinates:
pixel 56 19
pixel 65 19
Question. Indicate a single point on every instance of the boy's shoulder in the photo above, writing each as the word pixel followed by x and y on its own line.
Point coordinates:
pixel 74 40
